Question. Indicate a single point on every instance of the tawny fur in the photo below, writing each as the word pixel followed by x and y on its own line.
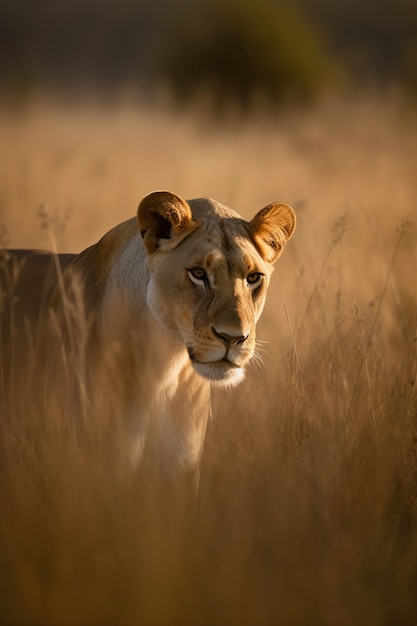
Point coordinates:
pixel 175 293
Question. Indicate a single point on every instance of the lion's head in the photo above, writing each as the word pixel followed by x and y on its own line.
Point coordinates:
pixel 209 273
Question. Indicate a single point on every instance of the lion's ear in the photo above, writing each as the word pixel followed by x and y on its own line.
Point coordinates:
pixel 164 220
pixel 271 228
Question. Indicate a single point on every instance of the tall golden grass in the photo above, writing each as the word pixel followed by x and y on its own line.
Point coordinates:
pixel 308 504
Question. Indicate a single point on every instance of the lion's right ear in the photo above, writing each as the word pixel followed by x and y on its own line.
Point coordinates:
pixel 164 220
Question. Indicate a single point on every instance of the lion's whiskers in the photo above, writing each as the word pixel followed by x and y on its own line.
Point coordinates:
pixel 257 360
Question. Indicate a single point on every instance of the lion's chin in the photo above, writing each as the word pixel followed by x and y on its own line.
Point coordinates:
pixel 221 373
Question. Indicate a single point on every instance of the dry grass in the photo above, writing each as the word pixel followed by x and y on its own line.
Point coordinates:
pixel 308 504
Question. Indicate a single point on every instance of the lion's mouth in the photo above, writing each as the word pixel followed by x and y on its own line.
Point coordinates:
pixel 222 370
pixel 220 362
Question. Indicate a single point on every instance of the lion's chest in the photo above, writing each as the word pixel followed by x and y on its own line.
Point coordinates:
pixel 170 437
pixel 178 424
pixel 179 444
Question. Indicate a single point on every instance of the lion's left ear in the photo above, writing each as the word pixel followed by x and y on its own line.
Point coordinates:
pixel 271 228
pixel 164 220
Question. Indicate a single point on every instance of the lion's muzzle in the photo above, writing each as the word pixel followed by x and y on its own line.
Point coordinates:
pixel 229 340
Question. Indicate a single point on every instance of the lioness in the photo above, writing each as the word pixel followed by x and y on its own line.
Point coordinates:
pixel 181 288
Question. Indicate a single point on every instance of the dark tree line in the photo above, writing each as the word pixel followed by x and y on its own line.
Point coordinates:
pixel 275 46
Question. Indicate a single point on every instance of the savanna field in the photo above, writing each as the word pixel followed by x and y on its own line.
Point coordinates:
pixel 308 503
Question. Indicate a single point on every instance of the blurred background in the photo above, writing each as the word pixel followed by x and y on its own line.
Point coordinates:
pixel 241 50
pixel 309 493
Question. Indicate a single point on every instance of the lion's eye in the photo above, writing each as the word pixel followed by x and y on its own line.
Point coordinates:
pixel 254 279
pixel 197 275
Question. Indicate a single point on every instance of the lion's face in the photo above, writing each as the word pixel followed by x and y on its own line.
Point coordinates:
pixel 209 273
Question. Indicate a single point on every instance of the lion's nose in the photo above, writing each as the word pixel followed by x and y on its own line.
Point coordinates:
pixel 228 339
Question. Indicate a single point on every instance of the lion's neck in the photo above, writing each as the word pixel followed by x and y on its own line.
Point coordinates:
pixel 128 278
pixel 168 418
pixel 178 414
pixel 169 408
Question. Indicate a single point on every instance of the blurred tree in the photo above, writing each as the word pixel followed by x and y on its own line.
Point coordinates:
pixel 238 48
